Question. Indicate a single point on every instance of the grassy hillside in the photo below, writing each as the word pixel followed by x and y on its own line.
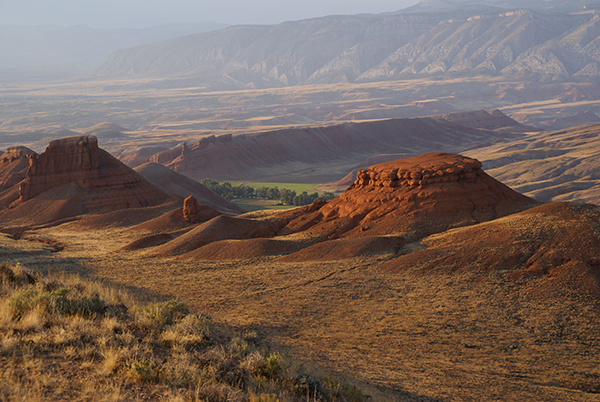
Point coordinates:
pixel 64 338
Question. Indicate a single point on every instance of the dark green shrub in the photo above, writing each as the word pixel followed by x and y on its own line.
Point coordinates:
pixel 166 313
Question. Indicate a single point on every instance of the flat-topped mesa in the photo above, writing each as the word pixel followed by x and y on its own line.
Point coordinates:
pixel 107 184
pixel 412 172
pixel 73 159
pixel 412 197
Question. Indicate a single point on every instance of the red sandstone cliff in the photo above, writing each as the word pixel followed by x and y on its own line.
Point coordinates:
pixel 111 184
pixel 413 196
pixel 73 176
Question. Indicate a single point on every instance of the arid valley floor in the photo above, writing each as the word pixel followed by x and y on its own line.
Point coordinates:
pixel 459 260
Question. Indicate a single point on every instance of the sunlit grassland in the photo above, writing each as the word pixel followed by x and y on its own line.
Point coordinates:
pixel 66 338
pixel 297 187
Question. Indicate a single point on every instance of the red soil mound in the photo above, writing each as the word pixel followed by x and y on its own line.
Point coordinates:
pixel 220 228
pixel 175 220
pixel 243 249
pixel 56 204
pixel 559 242
pixel 340 249
pixel 148 241
pixel 412 197
pixel 167 222
pixel 74 176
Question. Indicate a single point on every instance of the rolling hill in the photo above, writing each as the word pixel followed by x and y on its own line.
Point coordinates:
pixel 562 165
pixel 326 153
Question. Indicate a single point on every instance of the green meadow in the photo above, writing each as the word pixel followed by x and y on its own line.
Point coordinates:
pixel 297 187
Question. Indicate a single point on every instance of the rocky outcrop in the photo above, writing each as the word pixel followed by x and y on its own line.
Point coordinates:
pixel 108 184
pixel 437 183
pixel 194 212
pixel 73 159
pixel 413 197
pixel 420 174
pixel 13 166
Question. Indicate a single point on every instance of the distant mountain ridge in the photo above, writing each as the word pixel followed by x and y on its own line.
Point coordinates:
pixel 456 42
pixel 538 5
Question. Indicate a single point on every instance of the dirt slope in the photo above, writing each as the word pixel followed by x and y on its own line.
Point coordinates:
pixel 557 242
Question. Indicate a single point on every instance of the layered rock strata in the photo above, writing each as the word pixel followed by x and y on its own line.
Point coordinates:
pixel 427 193
pixel 108 183
pixel 13 166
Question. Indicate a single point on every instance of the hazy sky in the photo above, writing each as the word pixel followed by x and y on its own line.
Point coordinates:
pixel 143 13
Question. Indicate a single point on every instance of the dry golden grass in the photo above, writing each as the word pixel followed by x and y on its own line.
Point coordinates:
pixel 105 350
pixel 467 335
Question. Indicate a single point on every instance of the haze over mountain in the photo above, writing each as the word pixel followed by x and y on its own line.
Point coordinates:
pixel 451 43
pixel 51 51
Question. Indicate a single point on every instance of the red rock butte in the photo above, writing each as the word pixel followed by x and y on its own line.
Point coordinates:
pixel 72 177
pixel 79 160
pixel 442 189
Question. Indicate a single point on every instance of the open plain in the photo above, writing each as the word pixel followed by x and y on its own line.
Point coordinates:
pixel 459 261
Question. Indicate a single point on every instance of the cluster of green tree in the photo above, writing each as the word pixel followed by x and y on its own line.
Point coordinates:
pixel 285 196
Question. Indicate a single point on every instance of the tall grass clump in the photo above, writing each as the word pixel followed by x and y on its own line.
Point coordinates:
pixel 65 338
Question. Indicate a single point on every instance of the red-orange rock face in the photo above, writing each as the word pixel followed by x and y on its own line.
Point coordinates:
pixel 108 183
pixel 194 212
pixel 434 183
pixel 73 159
pixel 430 192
